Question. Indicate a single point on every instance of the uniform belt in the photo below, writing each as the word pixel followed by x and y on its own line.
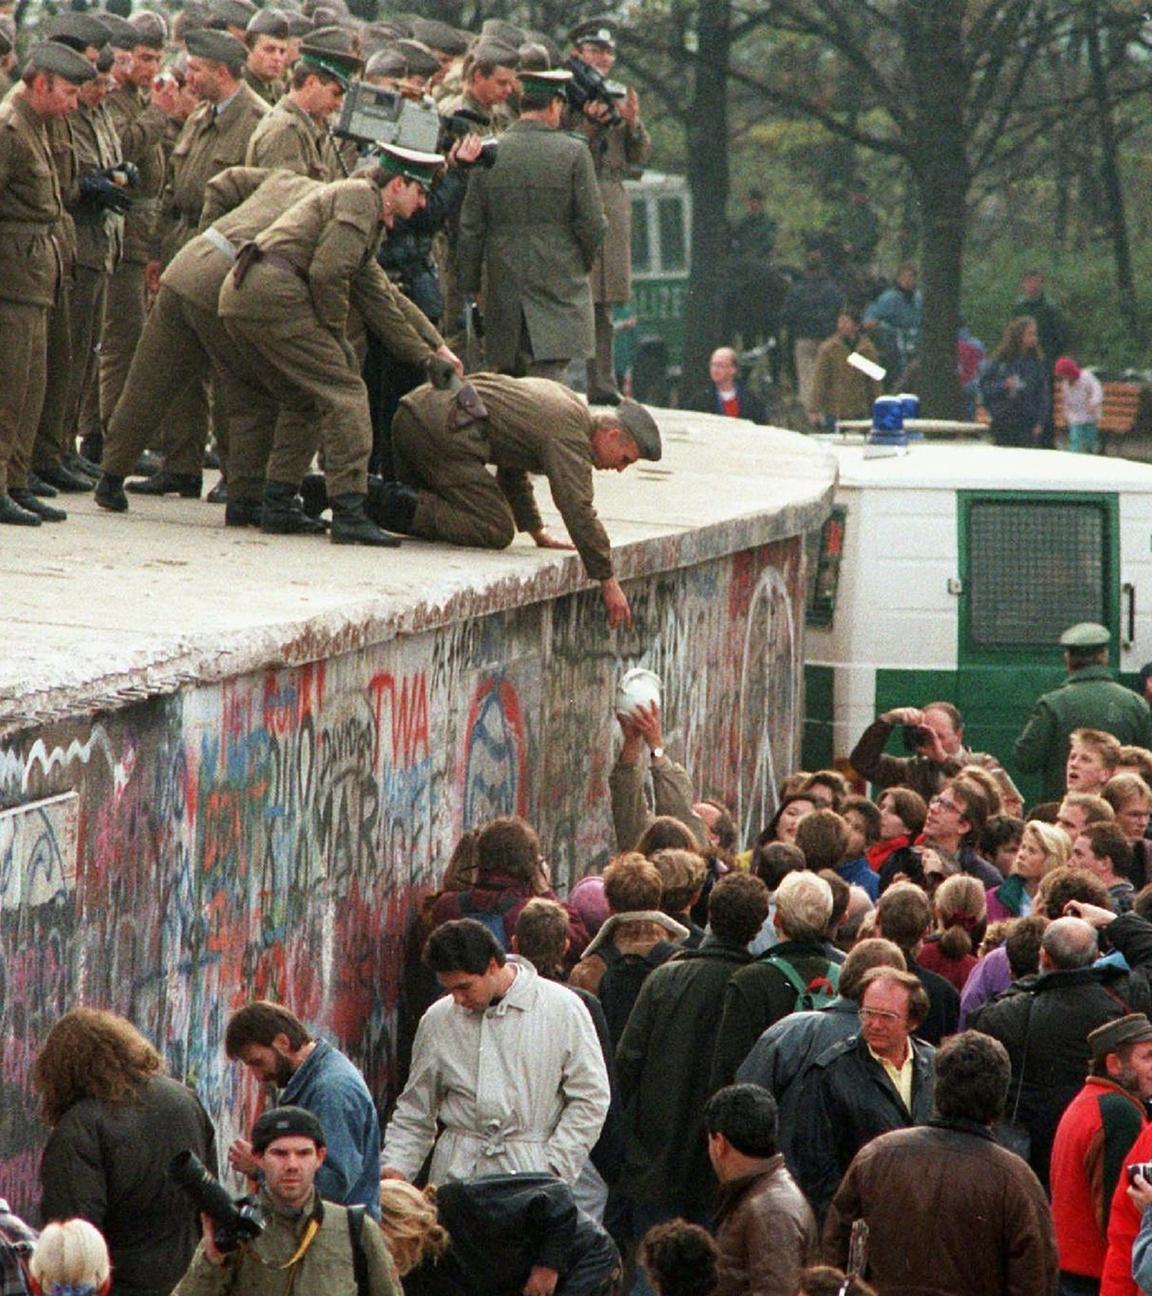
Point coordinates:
pixel 283 263
pixel 27 227
pixel 220 242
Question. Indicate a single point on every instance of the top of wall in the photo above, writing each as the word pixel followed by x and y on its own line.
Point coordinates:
pixel 104 610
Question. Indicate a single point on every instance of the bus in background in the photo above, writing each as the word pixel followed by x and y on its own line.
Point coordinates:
pixel 661 241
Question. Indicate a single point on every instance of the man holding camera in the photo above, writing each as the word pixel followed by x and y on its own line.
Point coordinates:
pixel 935 736
pixel 620 147
pixel 307 1246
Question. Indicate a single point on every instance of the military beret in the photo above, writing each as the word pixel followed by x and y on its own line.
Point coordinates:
pixel 499 53
pixel 150 28
pixel 498 30
pixel 332 38
pixel 410 163
pixel 7 34
pixel 545 81
pixel 641 427
pixel 440 36
pixel 533 58
pixel 1086 634
pixel 386 63
pixel 105 59
pixel 328 15
pixel 298 25
pixel 122 33
pixel 1134 1028
pixel 421 60
pixel 232 13
pixel 286 1122
pixel 80 31
pixel 51 56
pixel 268 22
pixel 193 16
pixel 594 31
pixel 217 47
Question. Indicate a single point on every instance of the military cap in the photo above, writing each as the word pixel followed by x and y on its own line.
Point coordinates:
pixel 79 31
pixel 7 34
pixel 546 81
pixel 533 58
pixel 332 39
pixel 440 36
pixel 150 28
pixel 504 32
pixel 299 24
pixel 421 60
pixel 641 427
pixel 122 8
pixel 329 49
pixel 555 54
pixel 232 13
pixel 328 16
pixel 1134 1028
pixel 386 63
pixel 193 16
pixel 499 53
pixel 1086 635
pixel 105 59
pixel 410 163
pixel 286 1122
pixel 122 33
pixel 217 47
pixel 52 56
pixel 268 22
pixel 594 31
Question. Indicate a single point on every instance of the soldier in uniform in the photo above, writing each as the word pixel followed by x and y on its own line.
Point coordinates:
pixel 443 445
pixel 7 52
pixel 267 39
pixel 1089 698
pixel 141 110
pixel 295 133
pixel 214 137
pixel 532 225
pixel 30 210
pixel 619 149
pixel 285 307
pixel 232 16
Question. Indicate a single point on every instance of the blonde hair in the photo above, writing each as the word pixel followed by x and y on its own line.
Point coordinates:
pixel 961 913
pixel 1052 841
pixel 410 1225
pixel 72 1254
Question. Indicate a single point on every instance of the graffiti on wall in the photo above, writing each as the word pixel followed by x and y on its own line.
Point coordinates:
pixel 274 835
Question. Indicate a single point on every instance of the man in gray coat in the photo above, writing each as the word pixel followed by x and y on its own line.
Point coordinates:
pixel 531 227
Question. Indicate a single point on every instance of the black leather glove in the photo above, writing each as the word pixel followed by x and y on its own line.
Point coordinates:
pixel 100 190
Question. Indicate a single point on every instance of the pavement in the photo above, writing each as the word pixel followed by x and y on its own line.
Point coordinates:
pixel 105 609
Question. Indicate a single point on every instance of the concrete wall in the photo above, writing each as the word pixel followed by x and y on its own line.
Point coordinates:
pixel 270 835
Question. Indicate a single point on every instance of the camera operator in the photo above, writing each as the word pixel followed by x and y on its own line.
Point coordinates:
pixel 307 1246
pixel 935 734
pixel 620 147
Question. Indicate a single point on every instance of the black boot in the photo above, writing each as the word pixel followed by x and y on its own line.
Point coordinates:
pixel 314 493
pixel 186 485
pixel 64 479
pixel 110 493
pixel 148 464
pixel 82 467
pixel 391 504
pixel 27 500
pixel 92 447
pixel 242 513
pixel 41 488
pixel 12 514
pixel 351 525
pixel 282 513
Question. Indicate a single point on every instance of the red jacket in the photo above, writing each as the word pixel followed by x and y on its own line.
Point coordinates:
pixel 1123 1225
pixel 1095 1133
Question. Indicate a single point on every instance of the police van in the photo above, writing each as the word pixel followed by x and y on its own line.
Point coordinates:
pixel 950 572
pixel 661 247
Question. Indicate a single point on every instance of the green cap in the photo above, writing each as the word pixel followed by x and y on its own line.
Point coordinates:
pixel 122 34
pixel 545 81
pixel 594 31
pixel 79 31
pixel 410 163
pixel 51 56
pixel 217 47
pixel 641 427
pixel 440 36
pixel 1086 634
pixel 420 59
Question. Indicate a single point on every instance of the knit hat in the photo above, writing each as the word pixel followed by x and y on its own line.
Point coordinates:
pixel 282 1122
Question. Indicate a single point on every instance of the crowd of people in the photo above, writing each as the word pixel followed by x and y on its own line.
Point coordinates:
pixel 894 1044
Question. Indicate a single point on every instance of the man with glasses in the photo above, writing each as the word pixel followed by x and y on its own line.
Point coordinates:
pixel 956 818
pixel 879 1080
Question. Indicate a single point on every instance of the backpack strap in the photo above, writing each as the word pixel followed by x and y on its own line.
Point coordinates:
pixel 789 973
pixel 356 1216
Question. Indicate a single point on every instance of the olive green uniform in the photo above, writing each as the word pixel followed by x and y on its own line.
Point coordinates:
pixel 289 138
pixel 141 129
pixel 1088 699
pixel 30 211
pixel 289 320
pixel 259 1267
pixel 270 91
pixel 533 426
pixel 532 224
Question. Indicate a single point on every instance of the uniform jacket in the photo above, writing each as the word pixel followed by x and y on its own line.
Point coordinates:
pixel 325 1269
pixel 949 1213
pixel 847 1100
pixel 99 233
pixel 141 130
pixel 533 224
pixel 521 1086
pixel 270 91
pixel 1051 1053
pixel 205 146
pixel 62 146
pixel 30 207
pixel 838 389
pixel 533 426
pixel 672 794
pixel 108 1163
pixel 664 1064
pixel 287 137
pixel 1088 699
pixel 765 1232
pixel 333 1090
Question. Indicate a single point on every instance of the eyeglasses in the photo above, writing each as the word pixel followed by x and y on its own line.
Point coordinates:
pixel 945 805
pixel 881 1015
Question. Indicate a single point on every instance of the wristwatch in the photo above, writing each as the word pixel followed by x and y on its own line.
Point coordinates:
pixel 657 753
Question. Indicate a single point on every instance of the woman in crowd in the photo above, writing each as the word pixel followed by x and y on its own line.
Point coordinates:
pixel 1043 847
pixel 961 918
pixel 902 815
pixel 1014 386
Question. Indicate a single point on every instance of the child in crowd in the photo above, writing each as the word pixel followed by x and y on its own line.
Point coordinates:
pixel 1083 402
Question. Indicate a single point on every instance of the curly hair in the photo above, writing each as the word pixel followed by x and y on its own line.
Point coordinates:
pixel 410 1224
pixel 90 1053
pixel 680 1259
